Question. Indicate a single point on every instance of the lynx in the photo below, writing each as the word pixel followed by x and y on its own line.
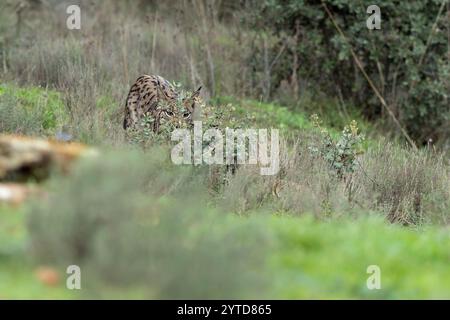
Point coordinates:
pixel 155 97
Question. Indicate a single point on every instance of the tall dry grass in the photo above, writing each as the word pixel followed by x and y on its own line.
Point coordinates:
pixel 405 186
pixel 93 68
pixel 118 41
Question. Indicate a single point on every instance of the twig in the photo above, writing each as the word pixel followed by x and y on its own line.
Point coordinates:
pixel 269 66
pixel 274 61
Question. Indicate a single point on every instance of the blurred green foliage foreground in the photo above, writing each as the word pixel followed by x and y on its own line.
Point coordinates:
pixel 136 232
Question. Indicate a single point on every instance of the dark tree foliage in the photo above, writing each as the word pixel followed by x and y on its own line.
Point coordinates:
pixel 407 59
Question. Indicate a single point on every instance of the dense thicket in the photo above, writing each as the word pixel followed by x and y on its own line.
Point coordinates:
pixel 407 59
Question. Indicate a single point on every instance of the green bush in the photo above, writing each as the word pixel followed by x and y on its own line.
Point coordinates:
pixel 137 221
pixel 31 110
pixel 406 60
pixel 341 155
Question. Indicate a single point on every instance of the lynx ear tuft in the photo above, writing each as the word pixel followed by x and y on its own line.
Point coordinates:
pixel 196 93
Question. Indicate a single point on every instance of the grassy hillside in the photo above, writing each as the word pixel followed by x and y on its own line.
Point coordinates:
pixel 349 193
pixel 305 258
pixel 318 244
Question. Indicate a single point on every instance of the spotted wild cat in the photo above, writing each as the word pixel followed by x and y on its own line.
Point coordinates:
pixel 155 97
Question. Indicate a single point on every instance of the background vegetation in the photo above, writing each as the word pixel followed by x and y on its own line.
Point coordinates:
pixel 339 203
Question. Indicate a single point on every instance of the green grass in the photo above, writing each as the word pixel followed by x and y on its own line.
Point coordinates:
pixel 261 114
pixel 17 273
pixel 31 108
pixel 257 114
pixel 287 118
pixel 307 259
pixel 40 110
pixel 330 259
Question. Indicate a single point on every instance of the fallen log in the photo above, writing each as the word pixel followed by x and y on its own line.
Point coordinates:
pixel 28 158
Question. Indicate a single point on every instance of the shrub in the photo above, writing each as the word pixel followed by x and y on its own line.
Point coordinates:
pixel 30 110
pixel 406 59
pixel 139 208
pixel 341 155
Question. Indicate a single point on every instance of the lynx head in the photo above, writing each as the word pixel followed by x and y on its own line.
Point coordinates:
pixel 181 113
pixel 191 102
